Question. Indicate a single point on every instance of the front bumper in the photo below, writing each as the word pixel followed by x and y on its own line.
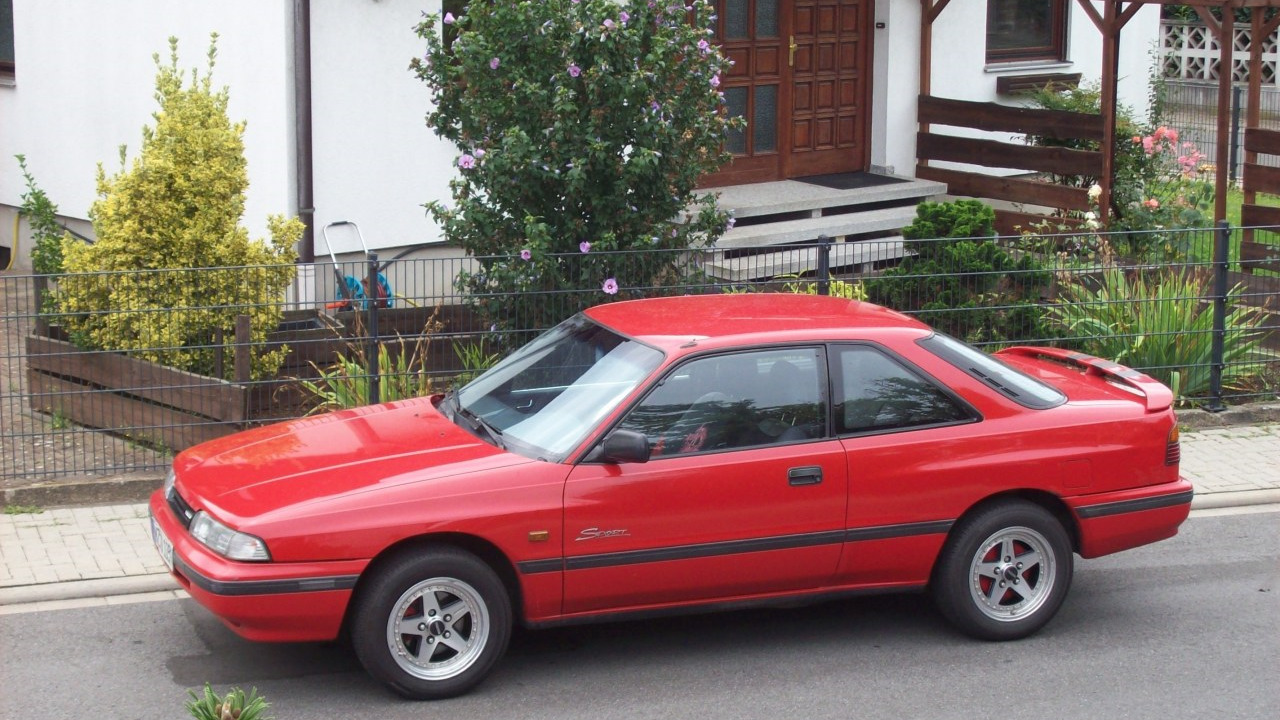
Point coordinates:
pixel 1115 521
pixel 276 602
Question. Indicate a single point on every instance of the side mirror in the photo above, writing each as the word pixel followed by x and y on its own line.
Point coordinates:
pixel 624 446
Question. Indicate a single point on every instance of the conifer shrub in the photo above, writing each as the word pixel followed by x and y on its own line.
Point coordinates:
pixel 171 267
pixel 957 278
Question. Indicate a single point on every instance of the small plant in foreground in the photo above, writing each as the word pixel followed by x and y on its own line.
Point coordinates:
pixel 22 510
pixel 235 705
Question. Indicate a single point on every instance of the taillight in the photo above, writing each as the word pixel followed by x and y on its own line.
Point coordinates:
pixel 1172 450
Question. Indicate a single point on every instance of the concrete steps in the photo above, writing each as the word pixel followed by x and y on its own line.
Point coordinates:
pixel 865 223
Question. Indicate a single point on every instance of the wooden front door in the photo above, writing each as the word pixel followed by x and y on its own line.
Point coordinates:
pixel 800 77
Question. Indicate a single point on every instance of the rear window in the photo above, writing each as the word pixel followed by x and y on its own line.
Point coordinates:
pixel 1013 384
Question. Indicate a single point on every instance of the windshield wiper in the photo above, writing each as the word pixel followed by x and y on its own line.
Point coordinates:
pixel 479 423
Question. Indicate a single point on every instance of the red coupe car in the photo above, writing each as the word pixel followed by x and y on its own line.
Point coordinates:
pixel 669 454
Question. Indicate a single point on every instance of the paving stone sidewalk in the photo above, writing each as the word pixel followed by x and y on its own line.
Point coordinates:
pixel 105 551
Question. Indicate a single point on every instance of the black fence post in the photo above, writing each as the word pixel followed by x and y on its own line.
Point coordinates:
pixel 371 305
pixel 1235 132
pixel 1221 256
pixel 824 265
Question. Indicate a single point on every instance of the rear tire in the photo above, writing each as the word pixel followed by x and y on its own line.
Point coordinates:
pixel 1004 572
pixel 431 624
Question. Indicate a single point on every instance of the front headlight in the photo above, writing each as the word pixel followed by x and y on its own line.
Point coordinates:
pixel 169 481
pixel 225 541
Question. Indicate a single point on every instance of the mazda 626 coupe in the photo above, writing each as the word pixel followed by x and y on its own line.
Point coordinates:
pixel 673 454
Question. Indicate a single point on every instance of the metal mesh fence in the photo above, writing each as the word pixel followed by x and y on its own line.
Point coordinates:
pixel 1192 109
pixel 354 332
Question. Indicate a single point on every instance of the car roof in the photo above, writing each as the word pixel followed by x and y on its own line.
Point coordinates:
pixel 749 318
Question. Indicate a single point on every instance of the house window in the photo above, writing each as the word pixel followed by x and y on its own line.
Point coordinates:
pixel 6 38
pixel 1026 30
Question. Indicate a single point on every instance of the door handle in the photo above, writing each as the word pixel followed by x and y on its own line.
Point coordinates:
pixel 791 54
pixel 804 476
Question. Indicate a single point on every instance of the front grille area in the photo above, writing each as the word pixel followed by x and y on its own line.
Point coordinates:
pixel 180 508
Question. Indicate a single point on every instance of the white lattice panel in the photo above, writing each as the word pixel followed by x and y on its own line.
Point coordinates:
pixel 1190 52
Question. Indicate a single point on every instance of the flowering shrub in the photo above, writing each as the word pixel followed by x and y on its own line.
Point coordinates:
pixel 1159 182
pixel 582 128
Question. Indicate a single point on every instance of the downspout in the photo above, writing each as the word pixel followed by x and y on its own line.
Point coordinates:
pixel 302 128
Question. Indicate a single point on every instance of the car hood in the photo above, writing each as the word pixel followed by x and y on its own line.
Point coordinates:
pixel 260 471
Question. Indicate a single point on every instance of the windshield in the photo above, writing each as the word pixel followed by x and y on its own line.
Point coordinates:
pixel 546 397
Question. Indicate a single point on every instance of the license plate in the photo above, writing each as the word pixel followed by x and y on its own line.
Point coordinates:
pixel 163 546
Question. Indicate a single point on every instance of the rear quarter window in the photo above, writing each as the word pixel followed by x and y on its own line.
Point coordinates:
pixel 1009 382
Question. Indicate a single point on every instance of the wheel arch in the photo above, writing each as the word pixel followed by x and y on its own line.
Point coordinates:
pixel 1047 501
pixel 487 552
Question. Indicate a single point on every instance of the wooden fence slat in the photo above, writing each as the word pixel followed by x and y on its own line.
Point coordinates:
pixel 991 153
pixel 1262 141
pixel 1019 190
pixel 1058 124
pixel 1260 256
pixel 1261 178
pixel 111 411
pixel 1259 215
pixel 186 391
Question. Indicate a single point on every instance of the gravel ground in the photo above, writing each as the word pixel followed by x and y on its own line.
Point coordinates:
pixel 41 449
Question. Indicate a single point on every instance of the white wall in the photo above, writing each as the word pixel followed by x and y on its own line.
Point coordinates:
pixel 85 84
pixel 376 162
pixel 959 68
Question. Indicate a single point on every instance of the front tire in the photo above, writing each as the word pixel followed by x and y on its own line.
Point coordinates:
pixel 1004 572
pixel 432 624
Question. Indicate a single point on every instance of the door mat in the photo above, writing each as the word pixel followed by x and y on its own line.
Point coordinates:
pixel 849 180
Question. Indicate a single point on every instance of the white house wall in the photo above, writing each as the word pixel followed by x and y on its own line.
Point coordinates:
pixel 375 160
pixel 85 84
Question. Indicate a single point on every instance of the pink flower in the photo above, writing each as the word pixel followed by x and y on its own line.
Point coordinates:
pixel 610 286
pixel 466 162
pixel 1149 144
pixel 1172 135
pixel 479 153
pixel 526 255
pixel 493 63
pixel 1152 203
pixel 608 24
pixel 449 18
pixel 623 17
pixel 584 246
pixel 704 46
pixel 574 70
pixel 1137 139
pixel 715 81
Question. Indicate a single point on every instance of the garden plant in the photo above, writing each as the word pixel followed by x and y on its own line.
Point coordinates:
pixel 1161 323
pixel 178 206
pixel 582 128
pixel 957 278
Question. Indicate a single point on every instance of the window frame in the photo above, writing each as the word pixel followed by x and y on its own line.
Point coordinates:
pixel 1056 50
pixel 836 373
pixel 821 357
pixel 8 67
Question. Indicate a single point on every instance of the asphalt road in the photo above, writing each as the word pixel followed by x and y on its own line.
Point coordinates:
pixel 1187 628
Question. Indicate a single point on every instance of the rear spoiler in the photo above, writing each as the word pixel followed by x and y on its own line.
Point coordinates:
pixel 1158 396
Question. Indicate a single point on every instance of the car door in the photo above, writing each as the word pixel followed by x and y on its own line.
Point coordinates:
pixel 913 455
pixel 744 493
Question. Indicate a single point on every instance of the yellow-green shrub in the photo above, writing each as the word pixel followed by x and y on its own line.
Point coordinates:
pixel 178 206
